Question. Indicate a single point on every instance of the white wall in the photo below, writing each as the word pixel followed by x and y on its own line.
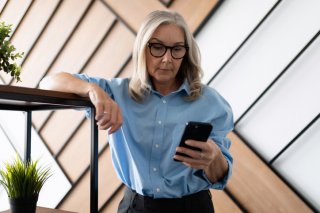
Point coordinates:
pixel 12 129
pixel 270 111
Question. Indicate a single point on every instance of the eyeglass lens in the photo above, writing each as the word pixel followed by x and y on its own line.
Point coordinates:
pixel 158 50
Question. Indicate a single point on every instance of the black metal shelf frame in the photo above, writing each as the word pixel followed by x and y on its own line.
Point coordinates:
pixel 29 99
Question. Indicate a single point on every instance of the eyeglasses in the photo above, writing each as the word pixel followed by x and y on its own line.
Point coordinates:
pixel 158 50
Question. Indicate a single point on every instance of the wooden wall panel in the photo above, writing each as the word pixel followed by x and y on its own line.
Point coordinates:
pixel 19 7
pixel 51 41
pixel 134 11
pixel 8 17
pixel 223 203
pixel 75 158
pixel 85 40
pixel 82 44
pixel 113 206
pixel 31 27
pixel 117 48
pixel 2 4
pixel 39 118
pixel 65 121
pixel 256 187
pixel 127 71
pixel 194 11
pixel 112 54
pixel 78 199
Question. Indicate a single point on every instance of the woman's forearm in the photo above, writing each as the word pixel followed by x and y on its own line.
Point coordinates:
pixel 108 113
pixel 65 82
pixel 217 169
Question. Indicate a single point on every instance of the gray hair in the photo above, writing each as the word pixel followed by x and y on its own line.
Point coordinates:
pixel 190 69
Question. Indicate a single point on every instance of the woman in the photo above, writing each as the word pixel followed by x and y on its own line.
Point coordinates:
pixel 146 115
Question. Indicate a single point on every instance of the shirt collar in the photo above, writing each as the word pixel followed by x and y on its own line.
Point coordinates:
pixel 184 87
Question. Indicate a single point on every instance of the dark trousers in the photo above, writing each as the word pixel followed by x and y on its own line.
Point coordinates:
pixel 133 202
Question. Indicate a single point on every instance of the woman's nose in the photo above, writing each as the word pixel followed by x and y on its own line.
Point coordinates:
pixel 167 57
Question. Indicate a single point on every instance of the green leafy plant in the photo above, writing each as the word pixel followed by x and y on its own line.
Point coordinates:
pixel 7 53
pixel 21 179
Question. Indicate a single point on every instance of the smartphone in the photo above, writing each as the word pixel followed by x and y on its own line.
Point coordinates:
pixel 198 131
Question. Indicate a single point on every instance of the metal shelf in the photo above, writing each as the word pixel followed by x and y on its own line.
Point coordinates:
pixel 30 99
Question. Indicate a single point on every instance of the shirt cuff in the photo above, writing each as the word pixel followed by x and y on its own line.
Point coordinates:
pixel 222 183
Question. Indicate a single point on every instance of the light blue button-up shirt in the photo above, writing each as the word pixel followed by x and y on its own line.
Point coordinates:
pixel 142 149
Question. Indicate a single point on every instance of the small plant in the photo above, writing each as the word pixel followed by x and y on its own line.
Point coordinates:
pixel 21 180
pixel 7 53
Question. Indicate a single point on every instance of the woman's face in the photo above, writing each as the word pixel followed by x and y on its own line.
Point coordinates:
pixel 163 70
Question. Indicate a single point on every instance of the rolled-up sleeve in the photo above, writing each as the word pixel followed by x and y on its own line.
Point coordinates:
pixel 224 124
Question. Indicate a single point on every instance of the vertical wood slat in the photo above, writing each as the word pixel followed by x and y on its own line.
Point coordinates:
pixel 256 187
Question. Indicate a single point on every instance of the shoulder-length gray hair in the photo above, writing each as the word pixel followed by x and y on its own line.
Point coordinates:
pixel 190 69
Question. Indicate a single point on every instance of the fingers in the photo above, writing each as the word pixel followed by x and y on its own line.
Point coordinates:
pixel 118 122
pixel 111 118
pixel 197 159
pixel 100 111
pixel 108 113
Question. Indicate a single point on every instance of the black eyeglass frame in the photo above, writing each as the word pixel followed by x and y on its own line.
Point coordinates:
pixel 149 44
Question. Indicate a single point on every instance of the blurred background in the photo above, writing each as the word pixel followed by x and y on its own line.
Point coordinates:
pixel 262 56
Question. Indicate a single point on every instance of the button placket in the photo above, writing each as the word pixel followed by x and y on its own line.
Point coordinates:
pixel 155 174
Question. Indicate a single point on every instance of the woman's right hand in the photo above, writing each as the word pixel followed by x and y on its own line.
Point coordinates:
pixel 108 113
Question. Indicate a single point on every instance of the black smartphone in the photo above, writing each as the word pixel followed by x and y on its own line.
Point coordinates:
pixel 198 131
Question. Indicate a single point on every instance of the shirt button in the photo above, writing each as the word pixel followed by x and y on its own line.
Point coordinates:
pixel 154 169
pixel 158 189
pixel 159 122
pixel 164 101
pixel 157 145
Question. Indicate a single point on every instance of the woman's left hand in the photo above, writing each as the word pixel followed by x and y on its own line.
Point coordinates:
pixel 198 159
pixel 210 159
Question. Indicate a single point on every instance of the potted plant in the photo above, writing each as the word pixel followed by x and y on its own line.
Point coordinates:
pixel 23 182
pixel 7 53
